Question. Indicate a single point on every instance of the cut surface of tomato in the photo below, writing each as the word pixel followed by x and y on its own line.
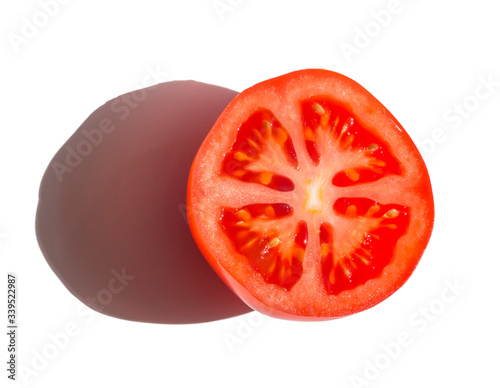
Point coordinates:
pixel 309 199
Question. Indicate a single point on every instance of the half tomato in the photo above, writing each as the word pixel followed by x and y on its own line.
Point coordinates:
pixel 309 199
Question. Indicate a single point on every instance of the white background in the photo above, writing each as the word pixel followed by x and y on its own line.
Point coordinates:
pixel 424 63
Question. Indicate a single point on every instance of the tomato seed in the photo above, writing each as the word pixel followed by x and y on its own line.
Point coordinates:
pixel 372 147
pixel 280 136
pixel 348 141
pixel 240 156
pixel 266 126
pixel 318 108
pixel 243 214
pixel 299 253
pixel 372 210
pixel 351 211
pixel 352 174
pixel 274 242
pixel 325 250
pixel 331 277
pixel 269 211
pixel 253 144
pixel 380 163
pixel 265 177
pixel 393 213
pixel 309 134
pixel 363 259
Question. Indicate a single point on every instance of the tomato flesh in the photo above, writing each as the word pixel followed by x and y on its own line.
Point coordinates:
pixel 310 204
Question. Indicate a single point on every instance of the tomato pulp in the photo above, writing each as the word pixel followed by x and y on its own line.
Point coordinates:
pixel 309 199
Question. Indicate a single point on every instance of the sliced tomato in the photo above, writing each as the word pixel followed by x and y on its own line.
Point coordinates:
pixel 309 199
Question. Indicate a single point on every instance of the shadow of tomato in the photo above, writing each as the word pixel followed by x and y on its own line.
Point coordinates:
pixel 111 214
